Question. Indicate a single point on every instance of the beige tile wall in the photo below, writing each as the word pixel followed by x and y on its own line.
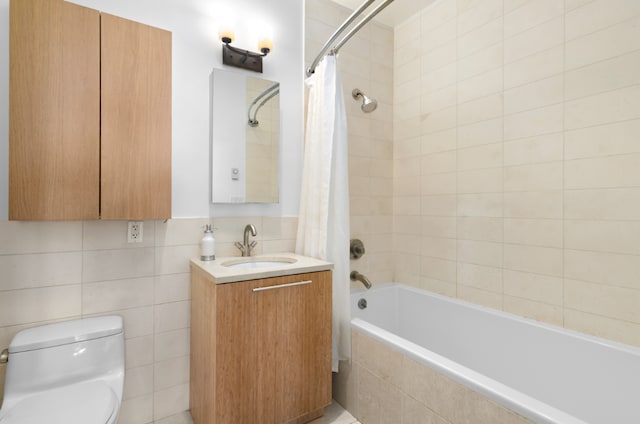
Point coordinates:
pixel 366 62
pixel 516 152
pixel 383 386
pixel 54 271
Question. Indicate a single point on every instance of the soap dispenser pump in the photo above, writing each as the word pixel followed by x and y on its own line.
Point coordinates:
pixel 207 245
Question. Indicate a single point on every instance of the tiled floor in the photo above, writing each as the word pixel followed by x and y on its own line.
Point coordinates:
pixel 334 414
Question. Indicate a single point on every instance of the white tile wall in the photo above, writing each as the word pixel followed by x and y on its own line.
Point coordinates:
pixel 62 270
pixel 529 153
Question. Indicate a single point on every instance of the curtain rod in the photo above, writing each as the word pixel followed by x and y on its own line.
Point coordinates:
pixel 327 46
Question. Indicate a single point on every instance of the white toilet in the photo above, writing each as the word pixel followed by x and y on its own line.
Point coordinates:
pixel 66 373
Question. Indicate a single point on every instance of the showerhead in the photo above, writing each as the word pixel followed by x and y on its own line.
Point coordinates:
pixel 368 104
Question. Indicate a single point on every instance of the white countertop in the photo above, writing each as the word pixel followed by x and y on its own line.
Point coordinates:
pixel 224 274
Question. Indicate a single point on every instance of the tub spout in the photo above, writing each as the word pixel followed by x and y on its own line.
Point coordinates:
pixel 356 276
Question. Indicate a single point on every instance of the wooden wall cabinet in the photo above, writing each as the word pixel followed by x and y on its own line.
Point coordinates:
pixel 260 355
pixel 89 115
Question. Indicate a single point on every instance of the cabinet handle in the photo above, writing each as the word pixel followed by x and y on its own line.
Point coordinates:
pixel 281 286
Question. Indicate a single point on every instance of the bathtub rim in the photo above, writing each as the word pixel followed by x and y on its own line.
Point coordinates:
pixel 524 405
pixel 634 350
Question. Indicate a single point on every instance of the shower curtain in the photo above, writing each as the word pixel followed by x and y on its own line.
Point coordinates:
pixel 323 225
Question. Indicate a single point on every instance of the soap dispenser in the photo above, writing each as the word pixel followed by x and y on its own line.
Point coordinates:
pixel 207 245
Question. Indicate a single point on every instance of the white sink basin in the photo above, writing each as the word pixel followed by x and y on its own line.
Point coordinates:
pixel 258 262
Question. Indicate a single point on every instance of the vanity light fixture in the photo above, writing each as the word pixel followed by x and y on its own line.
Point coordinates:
pixel 240 58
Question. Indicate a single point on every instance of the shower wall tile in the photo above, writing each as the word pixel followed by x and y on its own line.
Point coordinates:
pixel 534 204
pixel 480 62
pixel 437 269
pixel 438 13
pixel 535 287
pixel 619 72
pixel 530 15
pixel 603 236
pixel 480 277
pixel 603 204
pixel 480 297
pixel 598 325
pixel 484 132
pixel 480 181
pixel 438 57
pixel 613 302
pixel 603 172
pixel 542 148
pixel 612 106
pixel 573 4
pixel 481 109
pixel 431 39
pixel 599 15
pixel 543 64
pixel 438 205
pixel 546 205
pixel 535 122
pixel 480 228
pixel 537 39
pixel 534 232
pixel 483 205
pixel 531 309
pixel 436 163
pixel 535 95
pixel 479 15
pixel 480 85
pixel 604 44
pixel 480 38
pixel 439 226
pixel 535 259
pixel 480 252
pixel 487 156
pixel 538 176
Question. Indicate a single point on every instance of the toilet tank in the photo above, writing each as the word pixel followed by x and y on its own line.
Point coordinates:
pixel 45 357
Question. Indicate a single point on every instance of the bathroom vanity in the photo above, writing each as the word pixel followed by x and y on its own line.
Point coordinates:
pixel 260 339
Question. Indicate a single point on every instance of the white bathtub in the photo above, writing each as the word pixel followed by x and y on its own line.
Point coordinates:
pixel 544 373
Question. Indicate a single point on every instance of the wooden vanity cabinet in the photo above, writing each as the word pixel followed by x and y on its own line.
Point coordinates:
pixel 260 349
pixel 89 115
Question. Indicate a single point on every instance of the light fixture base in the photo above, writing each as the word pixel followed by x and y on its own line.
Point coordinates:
pixel 241 58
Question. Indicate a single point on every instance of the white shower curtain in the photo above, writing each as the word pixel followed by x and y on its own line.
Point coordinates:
pixel 323 226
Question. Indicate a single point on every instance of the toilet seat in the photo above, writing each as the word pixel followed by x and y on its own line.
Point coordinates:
pixel 85 403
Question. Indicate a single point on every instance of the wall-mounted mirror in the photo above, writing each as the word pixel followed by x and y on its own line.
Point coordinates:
pixel 246 138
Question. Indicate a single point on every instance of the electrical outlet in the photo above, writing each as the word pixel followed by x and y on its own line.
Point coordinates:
pixel 134 232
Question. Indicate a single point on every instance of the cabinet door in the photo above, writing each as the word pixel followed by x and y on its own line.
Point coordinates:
pixel 135 178
pixel 304 354
pixel 54 116
pixel 246 353
pixel 273 350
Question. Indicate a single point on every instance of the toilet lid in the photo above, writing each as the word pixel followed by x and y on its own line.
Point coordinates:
pixel 86 403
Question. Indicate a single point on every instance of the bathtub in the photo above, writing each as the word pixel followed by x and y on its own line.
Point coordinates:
pixel 524 370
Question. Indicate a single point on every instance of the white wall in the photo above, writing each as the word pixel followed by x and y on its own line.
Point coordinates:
pixel 196 51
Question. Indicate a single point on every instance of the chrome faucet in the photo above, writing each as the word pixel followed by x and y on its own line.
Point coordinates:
pixel 246 247
pixel 356 276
